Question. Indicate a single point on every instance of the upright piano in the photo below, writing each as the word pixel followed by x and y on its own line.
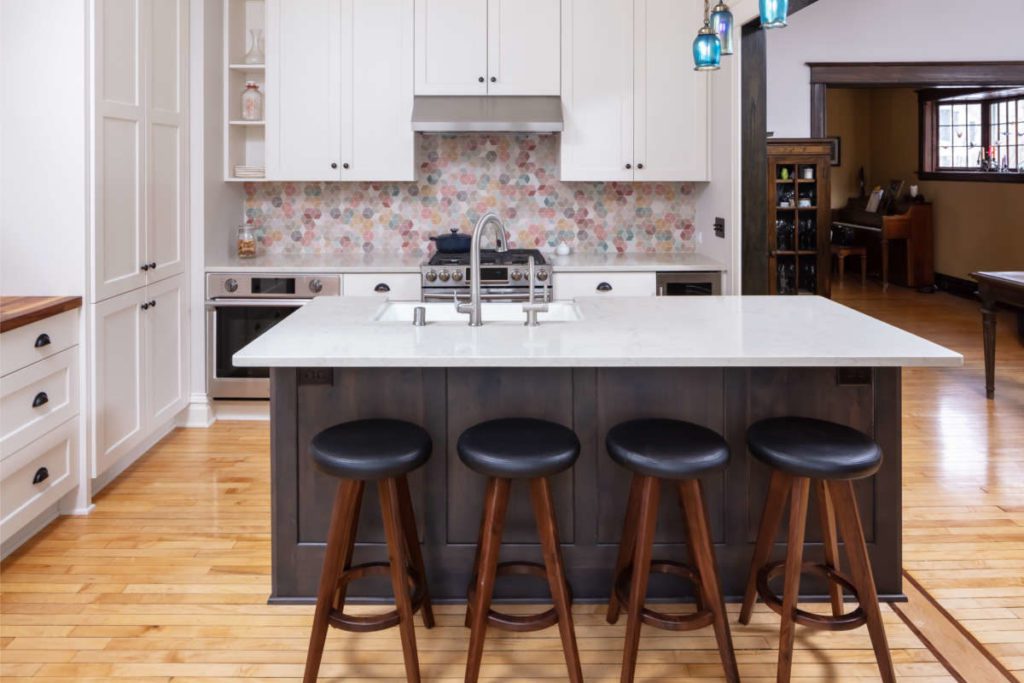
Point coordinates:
pixel 908 223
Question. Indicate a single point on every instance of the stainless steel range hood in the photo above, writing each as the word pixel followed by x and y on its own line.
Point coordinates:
pixel 505 114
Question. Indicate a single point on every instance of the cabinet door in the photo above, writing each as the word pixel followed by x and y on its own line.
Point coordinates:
pixel 377 90
pixel 303 100
pixel 118 378
pixel 166 357
pixel 451 47
pixel 524 47
pixel 118 236
pixel 671 98
pixel 597 90
pixel 167 144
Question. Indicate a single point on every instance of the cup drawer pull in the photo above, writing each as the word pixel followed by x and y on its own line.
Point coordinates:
pixel 382 288
pixel 604 287
pixel 41 399
pixel 42 340
pixel 42 474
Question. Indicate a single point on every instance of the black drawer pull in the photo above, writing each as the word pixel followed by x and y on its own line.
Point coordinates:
pixel 42 474
pixel 604 287
pixel 41 399
pixel 42 340
pixel 382 288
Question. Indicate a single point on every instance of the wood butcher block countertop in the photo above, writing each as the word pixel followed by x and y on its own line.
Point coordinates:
pixel 18 311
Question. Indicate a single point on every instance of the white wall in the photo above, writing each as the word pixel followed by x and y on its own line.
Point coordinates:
pixel 882 31
pixel 43 154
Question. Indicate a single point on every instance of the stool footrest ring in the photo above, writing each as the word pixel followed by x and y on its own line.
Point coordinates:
pixel 845 622
pixel 518 622
pixel 668 622
pixel 372 622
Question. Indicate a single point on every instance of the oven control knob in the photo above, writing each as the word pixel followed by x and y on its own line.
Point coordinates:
pixel 517 275
pixel 542 275
pixel 444 276
pixel 431 275
pixel 316 286
pixel 231 285
pixel 457 276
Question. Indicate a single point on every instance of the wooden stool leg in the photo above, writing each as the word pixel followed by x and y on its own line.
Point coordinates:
pixel 988 323
pixel 791 585
pixel 842 268
pixel 626 544
pixel 412 545
pixel 495 505
pixel 771 516
pixel 885 265
pixel 695 515
pixel 648 518
pixel 340 540
pixel 391 512
pixel 468 621
pixel 863 268
pixel 860 571
pixel 547 529
pixel 830 543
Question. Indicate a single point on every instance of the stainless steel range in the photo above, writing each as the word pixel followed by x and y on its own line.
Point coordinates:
pixel 504 276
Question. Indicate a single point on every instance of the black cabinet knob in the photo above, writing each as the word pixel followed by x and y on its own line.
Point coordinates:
pixel 145 306
pixel 382 288
pixel 604 287
pixel 152 303
pixel 629 166
pixel 494 79
pixel 42 340
pixel 640 166
pixel 41 399
pixel 144 266
pixel 41 475
pixel 345 165
pixel 152 266
pixel 481 79
pixel 334 164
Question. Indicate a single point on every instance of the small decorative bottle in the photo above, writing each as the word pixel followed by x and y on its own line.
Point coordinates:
pixel 255 53
pixel 247 240
pixel 252 102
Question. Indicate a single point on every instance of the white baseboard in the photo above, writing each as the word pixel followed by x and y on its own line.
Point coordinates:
pixel 19 537
pixel 198 413
pixel 127 460
pixel 258 411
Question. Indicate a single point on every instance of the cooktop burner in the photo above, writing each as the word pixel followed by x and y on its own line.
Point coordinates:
pixel 489 257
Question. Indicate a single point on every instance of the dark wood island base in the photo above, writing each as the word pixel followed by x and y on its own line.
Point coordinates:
pixel 590 499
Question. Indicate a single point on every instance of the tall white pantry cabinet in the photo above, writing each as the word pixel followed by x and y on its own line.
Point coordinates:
pixel 137 299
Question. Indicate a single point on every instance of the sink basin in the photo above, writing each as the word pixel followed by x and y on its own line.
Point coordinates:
pixel 443 312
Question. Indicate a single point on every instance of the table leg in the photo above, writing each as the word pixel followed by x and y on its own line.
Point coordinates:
pixel 988 320
pixel 885 265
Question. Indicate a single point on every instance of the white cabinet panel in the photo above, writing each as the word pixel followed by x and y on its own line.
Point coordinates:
pixel 304 89
pixel 671 97
pixel 377 90
pixel 118 377
pixel 37 476
pixel 34 342
pixel 574 285
pixel 36 399
pixel 118 237
pixel 390 286
pixel 166 62
pixel 165 355
pixel 451 47
pixel 117 24
pixel 597 90
pixel 523 46
pixel 166 224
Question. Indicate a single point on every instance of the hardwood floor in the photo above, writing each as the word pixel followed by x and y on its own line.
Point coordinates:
pixel 167 579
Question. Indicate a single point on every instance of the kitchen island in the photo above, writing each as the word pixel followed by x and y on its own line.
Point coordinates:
pixel 723 362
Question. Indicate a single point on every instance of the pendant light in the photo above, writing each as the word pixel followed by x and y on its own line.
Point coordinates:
pixel 773 13
pixel 721 22
pixel 707 48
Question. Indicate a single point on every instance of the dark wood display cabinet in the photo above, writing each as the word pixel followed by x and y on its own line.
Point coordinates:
pixel 799 217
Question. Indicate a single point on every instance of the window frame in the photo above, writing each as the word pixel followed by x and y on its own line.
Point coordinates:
pixel 928 143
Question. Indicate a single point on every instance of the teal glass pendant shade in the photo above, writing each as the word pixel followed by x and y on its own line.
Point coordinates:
pixel 722 23
pixel 774 13
pixel 707 50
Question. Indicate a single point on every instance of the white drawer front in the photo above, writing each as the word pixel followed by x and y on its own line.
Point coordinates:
pixel 391 286
pixel 36 399
pixel 575 285
pixel 53 461
pixel 39 340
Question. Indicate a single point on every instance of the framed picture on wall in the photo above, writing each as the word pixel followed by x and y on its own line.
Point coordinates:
pixel 837 150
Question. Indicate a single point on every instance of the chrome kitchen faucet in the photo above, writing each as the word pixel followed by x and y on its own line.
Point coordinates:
pixel 473 308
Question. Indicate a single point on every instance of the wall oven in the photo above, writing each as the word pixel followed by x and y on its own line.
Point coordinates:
pixel 239 308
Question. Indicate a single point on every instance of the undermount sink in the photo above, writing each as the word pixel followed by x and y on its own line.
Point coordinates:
pixel 443 312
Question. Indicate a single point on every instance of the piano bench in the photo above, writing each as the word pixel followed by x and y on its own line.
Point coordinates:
pixel 840 253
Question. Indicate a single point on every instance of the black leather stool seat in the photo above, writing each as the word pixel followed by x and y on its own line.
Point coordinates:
pixel 371 449
pixel 519 448
pixel 806 447
pixel 667 449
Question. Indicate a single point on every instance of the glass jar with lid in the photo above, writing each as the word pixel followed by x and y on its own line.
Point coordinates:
pixel 252 102
pixel 246 241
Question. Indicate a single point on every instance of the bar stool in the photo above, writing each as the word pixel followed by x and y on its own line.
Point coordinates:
pixel 356 452
pixel 806 453
pixel 655 450
pixel 503 450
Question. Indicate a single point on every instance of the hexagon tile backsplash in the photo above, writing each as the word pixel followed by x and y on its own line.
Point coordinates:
pixel 459 178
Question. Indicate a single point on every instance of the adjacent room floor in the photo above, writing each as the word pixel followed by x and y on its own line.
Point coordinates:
pixel 167 579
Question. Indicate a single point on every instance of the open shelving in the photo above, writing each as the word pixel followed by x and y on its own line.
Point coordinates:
pixel 244 141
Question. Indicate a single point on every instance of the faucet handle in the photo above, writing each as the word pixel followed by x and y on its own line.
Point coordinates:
pixel 461 307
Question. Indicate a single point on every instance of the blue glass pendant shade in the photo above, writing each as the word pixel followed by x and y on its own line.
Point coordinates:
pixel 707 50
pixel 774 13
pixel 722 23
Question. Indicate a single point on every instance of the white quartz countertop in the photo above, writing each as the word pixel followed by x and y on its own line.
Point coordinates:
pixel 401 263
pixel 711 331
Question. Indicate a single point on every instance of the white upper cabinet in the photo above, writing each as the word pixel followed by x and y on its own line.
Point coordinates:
pixel 303 117
pixel 635 109
pixel 451 47
pixel 671 98
pixel 488 47
pixel 597 90
pixel 377 90
pixel 523 47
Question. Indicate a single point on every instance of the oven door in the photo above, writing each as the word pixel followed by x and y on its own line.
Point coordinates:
pixel 230 325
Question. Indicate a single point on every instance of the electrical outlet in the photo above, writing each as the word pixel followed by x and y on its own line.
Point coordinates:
pixel 720 227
